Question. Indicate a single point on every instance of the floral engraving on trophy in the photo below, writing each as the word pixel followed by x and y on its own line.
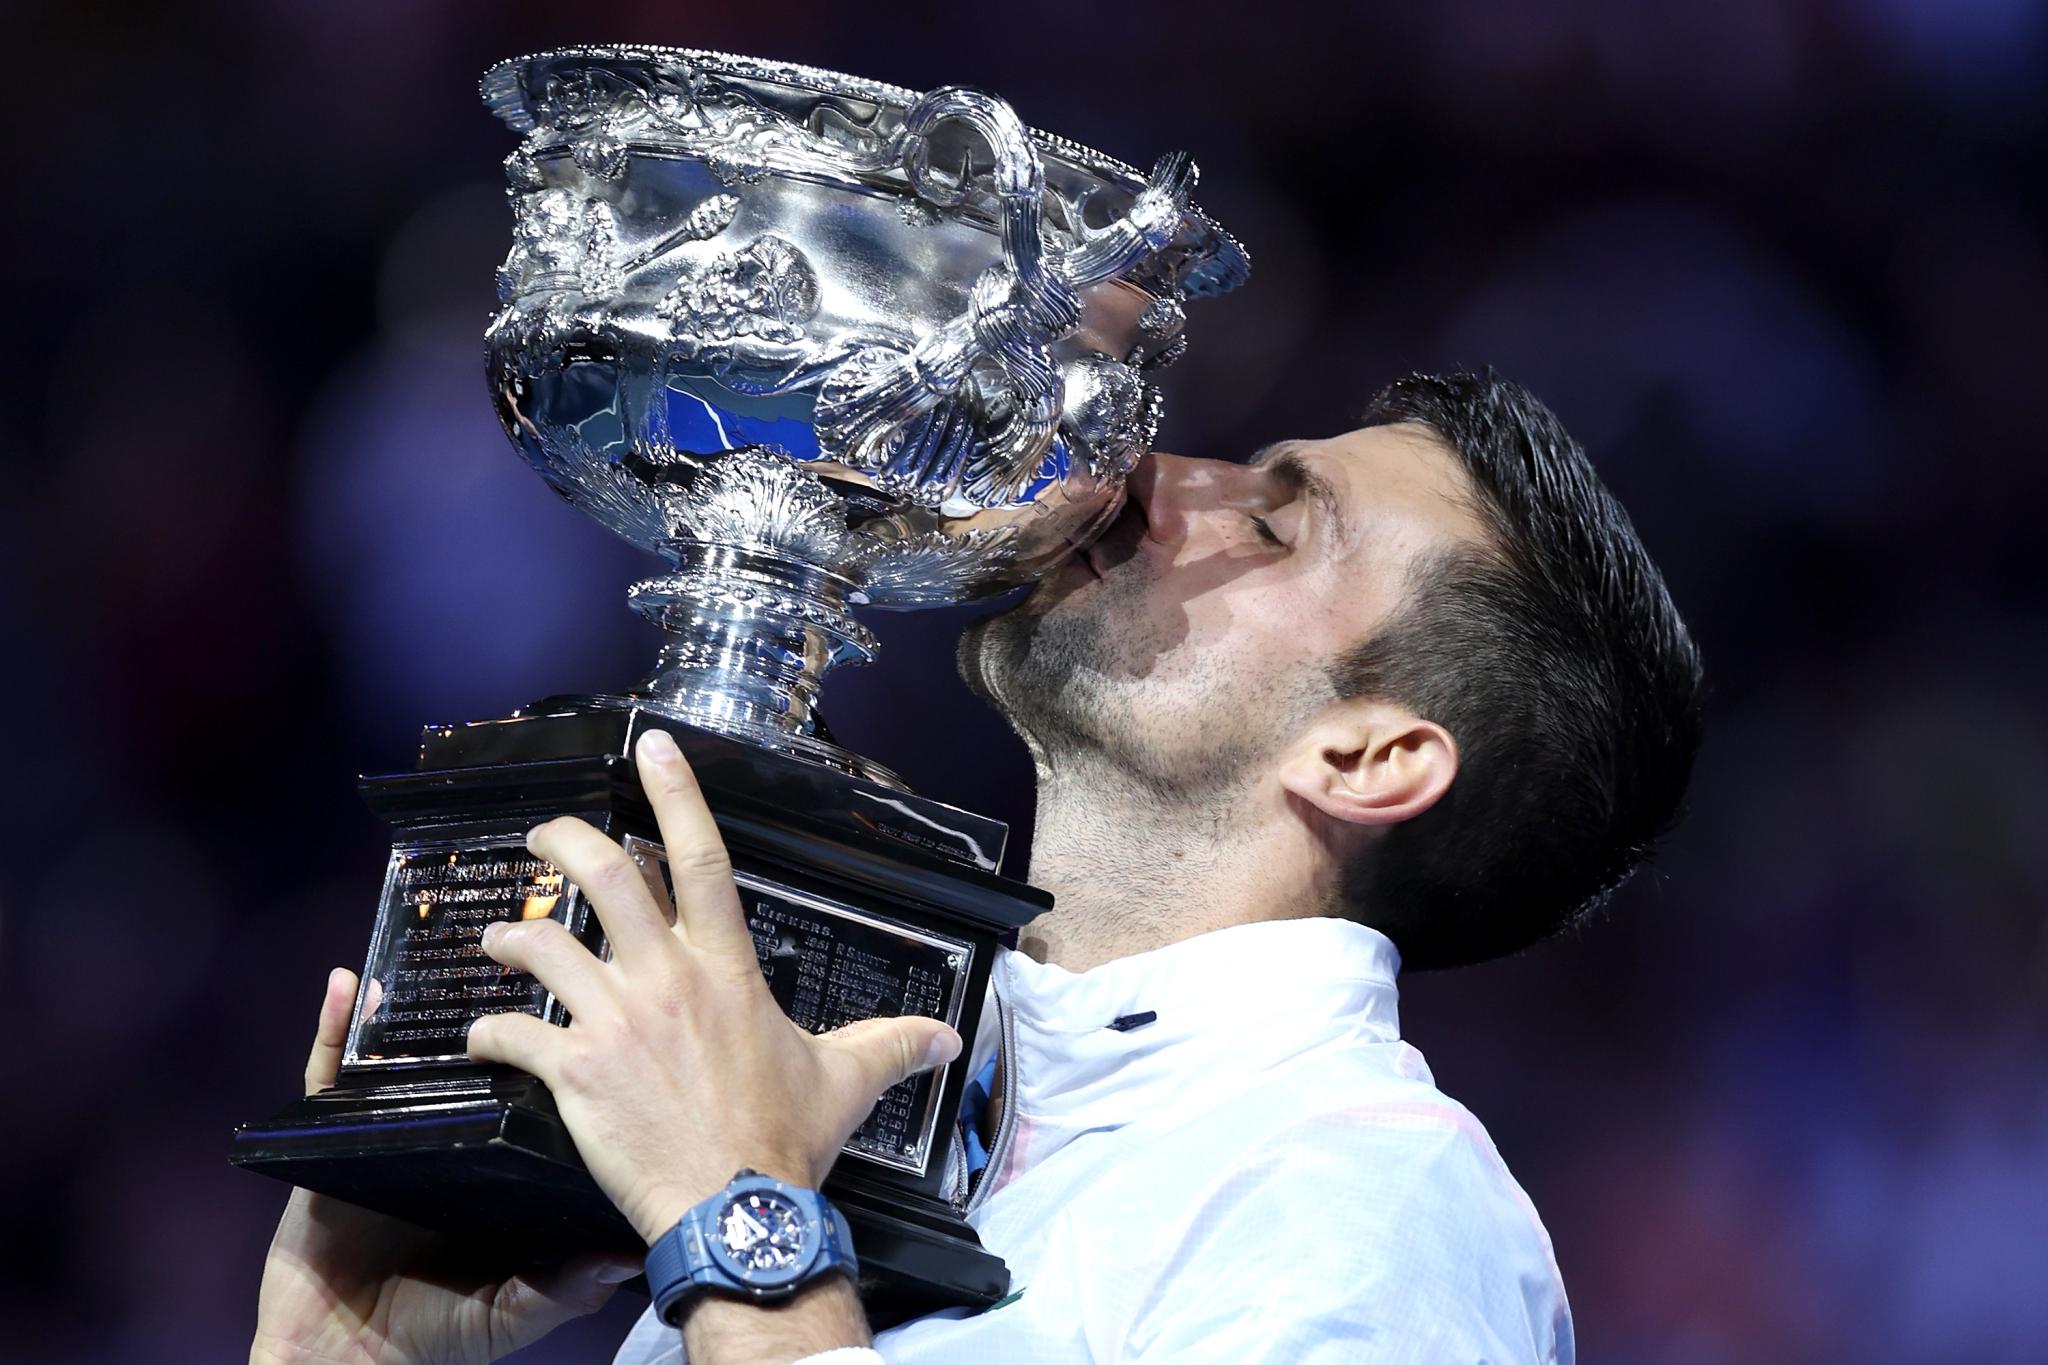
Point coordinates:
pixel 933 567
pixel 542 243
pixel 602 488
pixel 1160 359
pixel 602 114
pixel 756 498
pixel 587 110
pixel 711 217
pixel 1113 412
pixel 1163 327
pixel 671 102
pixel 766 289
pixel 747 141
pixel 562 243
pixel 1162 318
pixel 522 167
pixel 599 272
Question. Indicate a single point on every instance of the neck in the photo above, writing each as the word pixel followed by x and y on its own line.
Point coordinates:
pixel 1131 870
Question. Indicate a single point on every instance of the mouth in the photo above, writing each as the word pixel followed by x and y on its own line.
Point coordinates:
pixel 1075 565
pixel 1119 540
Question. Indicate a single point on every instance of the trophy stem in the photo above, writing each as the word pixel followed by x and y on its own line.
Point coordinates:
pixel 750 636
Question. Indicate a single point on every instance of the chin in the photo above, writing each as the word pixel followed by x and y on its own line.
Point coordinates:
pixel 1024 661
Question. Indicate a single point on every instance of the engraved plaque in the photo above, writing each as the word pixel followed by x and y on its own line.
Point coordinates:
pixel 828 964
pixel 428 977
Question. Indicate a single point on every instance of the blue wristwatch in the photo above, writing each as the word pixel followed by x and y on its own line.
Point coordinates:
pixel 756 1239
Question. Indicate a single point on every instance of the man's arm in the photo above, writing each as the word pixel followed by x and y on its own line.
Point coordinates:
pixel 343 1283
pixel 826 1315
pixel 678 1068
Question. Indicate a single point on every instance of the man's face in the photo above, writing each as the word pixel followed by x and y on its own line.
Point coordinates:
pixel 1192 640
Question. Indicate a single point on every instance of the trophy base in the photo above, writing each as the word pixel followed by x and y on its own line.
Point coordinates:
pixel 863 900
pixel 488 1162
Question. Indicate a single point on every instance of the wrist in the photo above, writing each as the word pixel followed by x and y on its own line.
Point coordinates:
pixel 823 1315
pixel 760 1239
pixel 654 1216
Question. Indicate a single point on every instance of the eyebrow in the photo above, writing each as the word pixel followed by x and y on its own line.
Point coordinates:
pixel 1283 461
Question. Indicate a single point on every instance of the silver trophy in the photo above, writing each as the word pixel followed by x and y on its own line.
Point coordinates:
pixel 816 342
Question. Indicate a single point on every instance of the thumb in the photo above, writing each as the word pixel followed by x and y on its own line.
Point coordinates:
pixel 530 1305
pixel 323 1064
pixel 881 1052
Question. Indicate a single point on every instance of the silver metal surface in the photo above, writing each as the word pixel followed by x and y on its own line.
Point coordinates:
pixel 818 341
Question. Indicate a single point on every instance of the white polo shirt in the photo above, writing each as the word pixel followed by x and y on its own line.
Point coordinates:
pixel 1265 1172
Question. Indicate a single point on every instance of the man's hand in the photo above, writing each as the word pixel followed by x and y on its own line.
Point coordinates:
pixel 678 1068
pixel 343 1284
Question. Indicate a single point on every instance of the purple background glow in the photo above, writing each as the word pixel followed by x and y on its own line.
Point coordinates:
pixel 1777 261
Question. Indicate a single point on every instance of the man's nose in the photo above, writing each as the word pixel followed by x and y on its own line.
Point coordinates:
pixel 1173 489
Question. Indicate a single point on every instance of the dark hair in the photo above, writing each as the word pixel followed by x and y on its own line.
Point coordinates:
pixel 1557 662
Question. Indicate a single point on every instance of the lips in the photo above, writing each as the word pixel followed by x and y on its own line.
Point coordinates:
pixel 1126 531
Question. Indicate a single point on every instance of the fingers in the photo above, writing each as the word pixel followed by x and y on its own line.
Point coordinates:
pixel 529 1306
pixel 552 954
pixel 708 907
pixel 516 1039
pixel 323 1063
pixel 880 1053
pixel 610 880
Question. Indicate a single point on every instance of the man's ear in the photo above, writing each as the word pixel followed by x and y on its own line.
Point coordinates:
pixel 1371 763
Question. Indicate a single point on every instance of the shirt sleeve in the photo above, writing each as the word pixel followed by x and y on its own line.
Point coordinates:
pixel 1364 1236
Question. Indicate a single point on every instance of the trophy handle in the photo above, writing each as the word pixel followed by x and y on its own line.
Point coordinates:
pixel 883 409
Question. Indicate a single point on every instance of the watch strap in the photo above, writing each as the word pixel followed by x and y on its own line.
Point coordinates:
pixel 681 1263
pixel 678 1263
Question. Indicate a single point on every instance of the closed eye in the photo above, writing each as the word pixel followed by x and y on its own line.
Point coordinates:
pixel 1265 530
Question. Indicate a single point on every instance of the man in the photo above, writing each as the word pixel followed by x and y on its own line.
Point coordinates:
pixel 1413 693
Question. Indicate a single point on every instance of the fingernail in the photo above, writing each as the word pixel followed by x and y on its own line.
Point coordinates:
pixel 943 1048
pixel 658 746
pixel 494 931
pixel 615 1272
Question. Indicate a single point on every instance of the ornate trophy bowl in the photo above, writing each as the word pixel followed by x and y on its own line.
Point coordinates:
pixel 817 341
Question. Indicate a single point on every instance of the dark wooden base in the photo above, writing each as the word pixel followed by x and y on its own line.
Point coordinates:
pixel 488 1162
pixel 480 1153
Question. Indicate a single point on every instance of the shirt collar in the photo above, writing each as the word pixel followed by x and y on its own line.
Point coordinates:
pixel 1231 1005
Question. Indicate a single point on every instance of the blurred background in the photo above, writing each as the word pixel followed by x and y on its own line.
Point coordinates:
pixel 1779 263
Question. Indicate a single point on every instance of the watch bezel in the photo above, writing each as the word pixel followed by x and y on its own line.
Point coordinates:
pixel 765 1283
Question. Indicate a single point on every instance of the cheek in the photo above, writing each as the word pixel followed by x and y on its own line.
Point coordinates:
pixel 1231 647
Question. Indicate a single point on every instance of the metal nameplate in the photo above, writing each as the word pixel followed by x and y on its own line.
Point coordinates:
pixel 828 964
pixel 428 978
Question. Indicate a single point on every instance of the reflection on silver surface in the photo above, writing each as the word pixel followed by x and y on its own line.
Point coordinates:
pixel 818 341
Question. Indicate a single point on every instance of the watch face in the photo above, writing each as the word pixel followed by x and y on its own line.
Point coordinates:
pixel 763 1233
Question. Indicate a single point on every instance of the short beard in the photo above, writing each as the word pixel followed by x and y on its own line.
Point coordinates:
pixel 1033 667
pixel 1054 676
